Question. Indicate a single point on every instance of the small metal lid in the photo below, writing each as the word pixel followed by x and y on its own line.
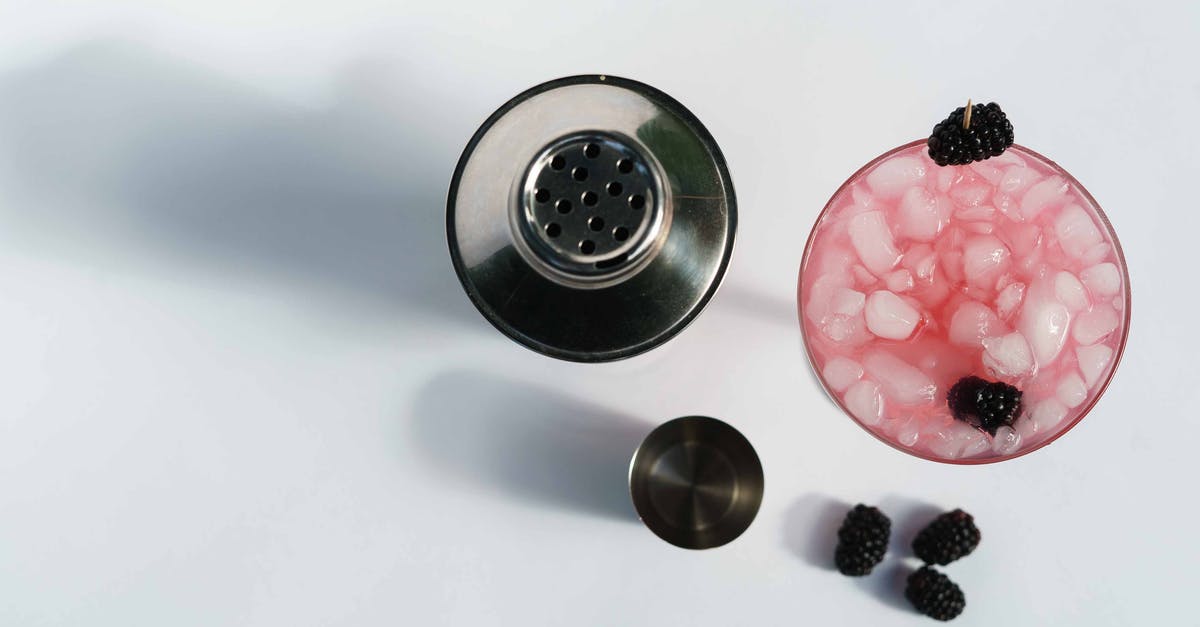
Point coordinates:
pixel 591 218
pixel 696 482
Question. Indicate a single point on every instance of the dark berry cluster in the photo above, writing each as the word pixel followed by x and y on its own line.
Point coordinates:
pixel 987 405
pixel 949 537
pixel 862 541
pixel 988 135
pixel 934 595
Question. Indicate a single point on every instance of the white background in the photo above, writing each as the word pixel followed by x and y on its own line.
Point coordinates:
pixel 239 384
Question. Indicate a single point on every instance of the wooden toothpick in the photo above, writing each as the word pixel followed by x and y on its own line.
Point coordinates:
pixel 967 115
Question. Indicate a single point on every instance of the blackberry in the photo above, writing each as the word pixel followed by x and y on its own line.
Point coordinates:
pixel 934 595
pixel 989 134
pixel 984 404
pixel 862 541
pixel 949 537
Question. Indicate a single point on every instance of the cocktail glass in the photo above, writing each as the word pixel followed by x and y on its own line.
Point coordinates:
pixel 917 275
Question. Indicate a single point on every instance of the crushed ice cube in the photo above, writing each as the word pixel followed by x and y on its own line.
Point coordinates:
pixel 1023 238
pixel 987 169
pixel 941 442
pixel 1017 179
pixel 1008 206
pixel 820 295
pixel 862 198
pixel 873 241
pixel 1076 231
pixel 938 359
pixel 834 260
pixel 898 280
pixel 952 440
pixel 945 178
pixel 1102 279
pixel 952 266
pixel 920 215
pixel 971 195
pixel 1092 326
pixel 1006 441
pixel 1046 414
pixel 889 316
pixel 975 443
pixel 838 328
pixel 1044 323
pixel 862 276
pixel 1069 291
pixel 982 228
pixel 1009 299
pixel 981 212
pixel 1071 391
pixel 1008 355
pixel 908 432
pixel 864 402
pixel 845 330
pixel 841 372
pixel 985 258
pixel 1027 429
pixel 972 322
pixel 1096 254
pixel 901 381
pixel 890 178
pixel 1005 280
pixel 920 260
pixel 1093 360
pixel 933 292
pixel 1046 194
pixel 847 302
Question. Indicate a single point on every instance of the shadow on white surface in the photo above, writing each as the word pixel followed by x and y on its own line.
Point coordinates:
pixel 150 152
pixel 531 443
pixel 908 516
pixel 769 309
pixel 763 306
pixel 886 584
pixel 810 528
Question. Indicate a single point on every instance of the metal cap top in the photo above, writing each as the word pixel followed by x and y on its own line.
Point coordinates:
pixel 696 482
pixel 591 218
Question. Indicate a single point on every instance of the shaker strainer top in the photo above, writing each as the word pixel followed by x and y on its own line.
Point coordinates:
pixel 591 218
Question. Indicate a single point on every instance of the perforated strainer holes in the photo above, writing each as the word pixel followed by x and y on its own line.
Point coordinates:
pixel 580 212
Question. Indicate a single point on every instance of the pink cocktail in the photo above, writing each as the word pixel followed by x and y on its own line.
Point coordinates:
pixel 918 275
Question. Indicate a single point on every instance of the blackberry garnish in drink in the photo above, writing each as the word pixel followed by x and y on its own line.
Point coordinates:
pixel 987 405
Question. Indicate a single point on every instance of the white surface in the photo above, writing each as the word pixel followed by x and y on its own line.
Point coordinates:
pixel 240 385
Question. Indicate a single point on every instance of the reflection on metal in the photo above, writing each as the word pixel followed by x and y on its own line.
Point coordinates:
pixel 696 482
pixel 591 218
